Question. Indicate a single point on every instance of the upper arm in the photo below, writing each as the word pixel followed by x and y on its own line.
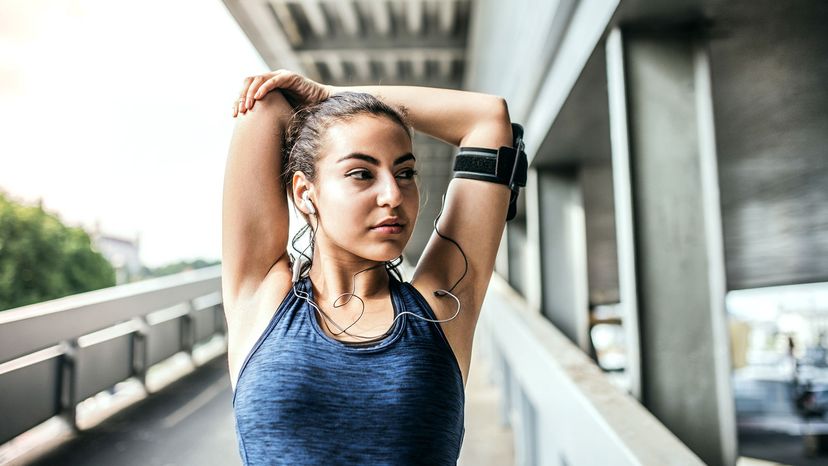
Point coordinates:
pixel 474 215
pixel 254 204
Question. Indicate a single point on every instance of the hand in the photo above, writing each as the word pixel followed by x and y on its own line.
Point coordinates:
pixel 297 89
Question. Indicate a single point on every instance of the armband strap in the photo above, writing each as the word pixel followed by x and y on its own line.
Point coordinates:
pixel 507 166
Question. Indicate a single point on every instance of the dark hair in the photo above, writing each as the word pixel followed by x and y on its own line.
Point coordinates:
pixel 307 127
pixel 306 132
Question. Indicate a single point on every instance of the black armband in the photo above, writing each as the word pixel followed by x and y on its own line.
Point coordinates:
pixel 507 165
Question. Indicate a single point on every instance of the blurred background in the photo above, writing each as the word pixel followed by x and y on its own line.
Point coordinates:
pixel 661 297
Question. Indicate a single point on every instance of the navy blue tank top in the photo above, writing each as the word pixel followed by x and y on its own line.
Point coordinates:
pixel 305 398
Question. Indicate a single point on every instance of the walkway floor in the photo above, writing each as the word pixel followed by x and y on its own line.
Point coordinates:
pixel 189 422
pixel 487 442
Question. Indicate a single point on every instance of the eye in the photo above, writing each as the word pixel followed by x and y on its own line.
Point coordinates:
pixel 363 175
pixel 360 172
pixel 409 174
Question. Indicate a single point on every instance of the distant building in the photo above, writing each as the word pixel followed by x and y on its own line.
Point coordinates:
pixel 122 253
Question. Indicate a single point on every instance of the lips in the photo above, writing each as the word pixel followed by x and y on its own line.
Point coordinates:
pixel 389 226
pixel 388 229
pixel 389 222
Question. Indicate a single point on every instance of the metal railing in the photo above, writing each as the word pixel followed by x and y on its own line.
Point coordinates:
pixel 562 408
pixel 55 354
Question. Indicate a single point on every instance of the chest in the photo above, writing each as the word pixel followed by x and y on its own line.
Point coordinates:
pixel 291 373
pixel 250 319
pixel 292 367
pixel 297 394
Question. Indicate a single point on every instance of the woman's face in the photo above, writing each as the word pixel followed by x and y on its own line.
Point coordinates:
pixel 365 174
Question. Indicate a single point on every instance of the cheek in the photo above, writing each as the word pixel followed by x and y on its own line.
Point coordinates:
pixel 346 211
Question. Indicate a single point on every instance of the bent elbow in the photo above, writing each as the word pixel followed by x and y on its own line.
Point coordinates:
pixel 494 129
pixel 503 121
pixel 500 110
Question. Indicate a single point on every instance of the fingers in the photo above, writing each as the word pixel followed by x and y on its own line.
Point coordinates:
pixel 256 87
pixel 251 91
pixel 239 105
pixel 277 78
pixel 266 87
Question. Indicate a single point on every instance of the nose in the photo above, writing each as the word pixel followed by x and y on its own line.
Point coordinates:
pixel 390 193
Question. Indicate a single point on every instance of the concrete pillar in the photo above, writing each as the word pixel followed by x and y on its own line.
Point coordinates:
pixel 563 254
pixel 602 246
pixel 675 221
pixel 622 200
pixel 516 242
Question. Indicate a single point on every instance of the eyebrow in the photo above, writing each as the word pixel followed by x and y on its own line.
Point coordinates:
pixel 372 160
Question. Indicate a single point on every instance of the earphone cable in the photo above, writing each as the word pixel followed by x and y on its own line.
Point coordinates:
pixel 327 318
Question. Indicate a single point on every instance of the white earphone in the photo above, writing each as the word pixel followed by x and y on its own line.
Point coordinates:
pixel 308 203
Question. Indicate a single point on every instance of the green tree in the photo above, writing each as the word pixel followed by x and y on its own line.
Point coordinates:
pixel 43 259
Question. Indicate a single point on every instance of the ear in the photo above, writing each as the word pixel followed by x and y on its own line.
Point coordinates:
pixel 300 185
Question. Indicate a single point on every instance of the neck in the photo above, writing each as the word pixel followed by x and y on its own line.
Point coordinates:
pixel 332 276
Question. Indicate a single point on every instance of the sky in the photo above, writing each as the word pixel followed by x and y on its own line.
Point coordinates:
pixel 120 112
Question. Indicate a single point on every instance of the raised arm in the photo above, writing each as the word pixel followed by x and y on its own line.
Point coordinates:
pixel 254 204
pixel 460 118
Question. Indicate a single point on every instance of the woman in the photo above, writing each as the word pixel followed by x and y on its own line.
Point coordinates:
pixel 335 360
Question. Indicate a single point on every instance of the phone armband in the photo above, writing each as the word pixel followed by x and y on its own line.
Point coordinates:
pixel 506 165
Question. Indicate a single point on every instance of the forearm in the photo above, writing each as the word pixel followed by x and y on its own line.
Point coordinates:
pixel 461 118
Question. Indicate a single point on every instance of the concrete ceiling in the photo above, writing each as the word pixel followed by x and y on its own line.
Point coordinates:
pixel 360 41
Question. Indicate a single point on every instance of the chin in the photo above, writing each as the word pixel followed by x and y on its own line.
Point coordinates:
pixel 385 253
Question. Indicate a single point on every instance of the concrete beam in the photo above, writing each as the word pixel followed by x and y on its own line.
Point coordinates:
pixel 362 65
pixel 446 14
pixel 414 16
pixel 334 63
pixel 289 26
pixel 418 61
pixel 382 16
pixel 348 16
pixel 316 17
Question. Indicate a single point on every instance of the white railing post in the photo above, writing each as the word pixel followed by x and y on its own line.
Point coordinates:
pixel 68 383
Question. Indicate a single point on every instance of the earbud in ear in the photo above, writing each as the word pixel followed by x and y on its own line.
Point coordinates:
pixel 308 203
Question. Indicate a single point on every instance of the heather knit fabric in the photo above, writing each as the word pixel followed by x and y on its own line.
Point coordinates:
pixel 305 398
